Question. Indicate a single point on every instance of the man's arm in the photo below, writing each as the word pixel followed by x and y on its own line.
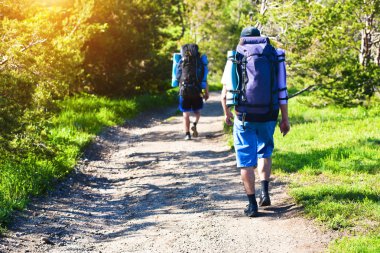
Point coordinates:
pixel 284 124
pixel 204 83
pixel 206 95
pixel 227 112
pixel 283 93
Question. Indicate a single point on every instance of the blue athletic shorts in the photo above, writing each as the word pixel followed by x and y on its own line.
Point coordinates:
pixel 256 141
pixel 190 105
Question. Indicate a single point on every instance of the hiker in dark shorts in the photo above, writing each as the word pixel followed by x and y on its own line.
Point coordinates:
pixel 188 106
pixel 262 93
pixel 192 76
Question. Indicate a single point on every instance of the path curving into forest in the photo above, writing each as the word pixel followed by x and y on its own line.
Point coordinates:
pixel 142 188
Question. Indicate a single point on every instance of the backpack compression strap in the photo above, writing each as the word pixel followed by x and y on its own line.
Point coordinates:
pixel 189 52
pixel 244 74
pixel 272 83
pixel 244 78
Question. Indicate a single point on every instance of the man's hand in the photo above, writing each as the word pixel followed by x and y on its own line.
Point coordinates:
pixel 228 118
pixel 284 126
pixel 206 96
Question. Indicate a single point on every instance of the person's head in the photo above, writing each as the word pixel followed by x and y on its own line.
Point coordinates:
pixel 250 31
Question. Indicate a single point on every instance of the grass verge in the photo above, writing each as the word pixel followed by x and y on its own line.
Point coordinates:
pixel 332 155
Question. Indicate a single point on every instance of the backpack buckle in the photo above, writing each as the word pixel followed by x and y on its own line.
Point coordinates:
pixel 243 120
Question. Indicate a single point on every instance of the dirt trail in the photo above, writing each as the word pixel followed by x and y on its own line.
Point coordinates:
pixel 142 188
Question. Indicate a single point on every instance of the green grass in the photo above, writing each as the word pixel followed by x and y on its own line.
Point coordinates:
pixel 332 159
pixel 79 120
pixel 360 244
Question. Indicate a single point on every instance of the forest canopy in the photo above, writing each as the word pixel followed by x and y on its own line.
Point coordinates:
pixel 50 49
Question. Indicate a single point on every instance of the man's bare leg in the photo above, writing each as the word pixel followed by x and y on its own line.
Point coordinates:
pixel 186 124
pixel 264 167
pixel 197 115
pixel 248 178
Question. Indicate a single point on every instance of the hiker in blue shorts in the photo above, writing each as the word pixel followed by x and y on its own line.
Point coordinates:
pixel 192 77
pixel 260 94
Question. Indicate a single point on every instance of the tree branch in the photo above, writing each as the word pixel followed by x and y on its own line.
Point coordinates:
pixel 264 7
pixel 31 44
pixel 314 87
pixel 5 59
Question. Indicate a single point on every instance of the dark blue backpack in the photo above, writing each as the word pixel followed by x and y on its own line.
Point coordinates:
pixel 257 69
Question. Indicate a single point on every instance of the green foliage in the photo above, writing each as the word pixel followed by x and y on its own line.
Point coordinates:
pixel 48 43
pixel 115 48
pixel 215 26
pixel 323 40
pixel 353 85
pixel 126 58
pixel 12 104
pixel 40 58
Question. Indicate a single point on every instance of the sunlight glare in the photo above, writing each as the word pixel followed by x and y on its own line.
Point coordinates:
pixel 52 2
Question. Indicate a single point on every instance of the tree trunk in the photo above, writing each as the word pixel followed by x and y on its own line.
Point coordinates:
pixel 366 42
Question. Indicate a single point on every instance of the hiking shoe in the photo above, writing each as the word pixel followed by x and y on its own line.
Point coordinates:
pixel 187 137
pixel 194 129
pixel 251 210
pixel 264 200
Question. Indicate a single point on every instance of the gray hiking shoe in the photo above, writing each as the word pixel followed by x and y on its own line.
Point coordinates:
pixel 194 129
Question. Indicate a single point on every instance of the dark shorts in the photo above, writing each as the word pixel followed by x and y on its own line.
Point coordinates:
pixel 190 105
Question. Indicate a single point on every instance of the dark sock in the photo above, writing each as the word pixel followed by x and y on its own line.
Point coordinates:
pixel 251 198
pixel 195 124
pixel 264 187
pixel 187 133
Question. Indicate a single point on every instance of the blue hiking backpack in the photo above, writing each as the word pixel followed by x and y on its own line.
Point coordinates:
pixel 257 63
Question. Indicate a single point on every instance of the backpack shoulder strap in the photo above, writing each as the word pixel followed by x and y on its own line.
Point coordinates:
pixel 202 69
pixel 184 49
pixel 194 49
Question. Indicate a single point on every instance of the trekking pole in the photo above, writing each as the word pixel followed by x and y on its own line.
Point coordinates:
pixel 311 88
